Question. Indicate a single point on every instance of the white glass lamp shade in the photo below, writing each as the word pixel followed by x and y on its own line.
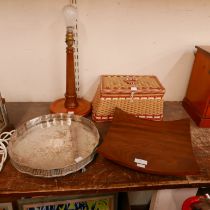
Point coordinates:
pixel 70 14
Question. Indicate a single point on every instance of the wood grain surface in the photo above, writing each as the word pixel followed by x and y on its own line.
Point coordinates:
pixel 165 145
pixel 197 99
pixel 101 175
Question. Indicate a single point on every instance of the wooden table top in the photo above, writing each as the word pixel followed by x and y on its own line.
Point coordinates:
pixel 102 175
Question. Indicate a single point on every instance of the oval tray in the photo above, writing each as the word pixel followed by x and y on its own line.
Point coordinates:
pixel 53 145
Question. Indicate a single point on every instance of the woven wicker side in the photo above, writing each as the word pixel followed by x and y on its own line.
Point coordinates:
pixel 96 100
pixel 103 109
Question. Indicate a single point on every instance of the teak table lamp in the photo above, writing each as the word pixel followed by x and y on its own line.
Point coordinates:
pixel 70 103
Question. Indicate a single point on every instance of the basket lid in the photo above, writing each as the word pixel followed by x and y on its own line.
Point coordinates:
pixel 126 84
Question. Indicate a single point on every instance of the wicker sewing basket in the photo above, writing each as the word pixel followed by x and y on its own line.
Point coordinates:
pixel 141 96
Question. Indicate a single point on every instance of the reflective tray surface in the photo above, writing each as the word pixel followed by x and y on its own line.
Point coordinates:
pixel 53 145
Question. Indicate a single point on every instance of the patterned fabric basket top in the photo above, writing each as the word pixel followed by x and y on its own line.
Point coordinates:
pixel 125 84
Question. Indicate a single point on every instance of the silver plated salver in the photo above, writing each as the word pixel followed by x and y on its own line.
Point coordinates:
pixel 53 145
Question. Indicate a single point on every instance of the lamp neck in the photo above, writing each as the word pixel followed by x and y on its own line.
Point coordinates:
pixel 70 95
pixel 69 38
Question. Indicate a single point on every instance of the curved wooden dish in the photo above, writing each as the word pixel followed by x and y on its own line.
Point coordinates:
pixel 165 145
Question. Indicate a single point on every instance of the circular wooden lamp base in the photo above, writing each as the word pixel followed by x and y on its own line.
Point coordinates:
pixel 83 108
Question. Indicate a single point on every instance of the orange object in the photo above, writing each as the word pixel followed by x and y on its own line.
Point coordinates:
pixel 197 99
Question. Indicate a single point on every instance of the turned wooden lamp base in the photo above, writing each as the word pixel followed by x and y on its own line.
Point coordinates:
pixel 77 105
pixel 83 108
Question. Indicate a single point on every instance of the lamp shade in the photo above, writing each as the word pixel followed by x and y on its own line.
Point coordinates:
pixel 70 14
